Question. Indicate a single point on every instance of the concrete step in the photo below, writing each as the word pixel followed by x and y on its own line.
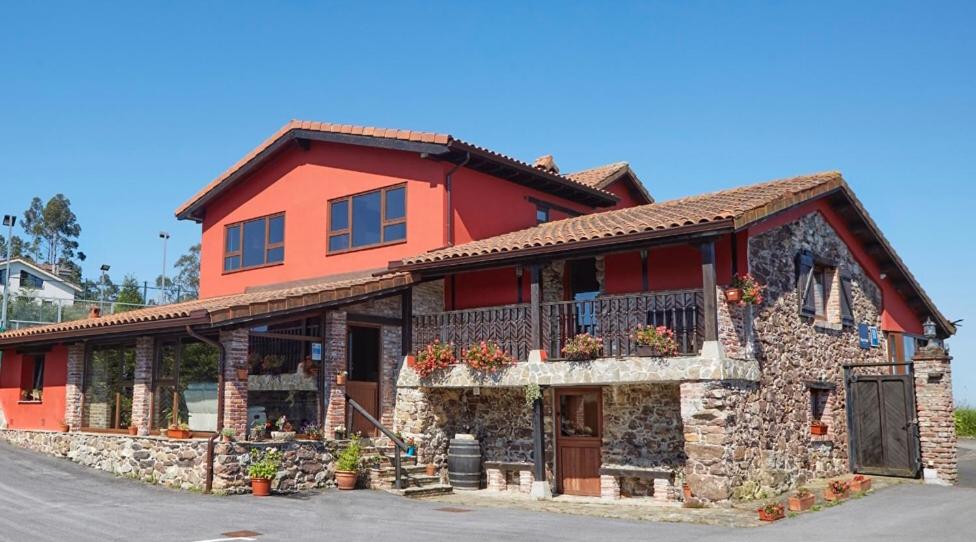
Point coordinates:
pixel 390 471
pixel 425 491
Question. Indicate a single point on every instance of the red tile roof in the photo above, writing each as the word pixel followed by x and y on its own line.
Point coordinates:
pixel 600 176
pixel 218 183
pixel 734 208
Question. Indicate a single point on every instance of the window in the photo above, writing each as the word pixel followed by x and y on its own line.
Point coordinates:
pixel 3 277
pixel 541 214
pixel 374 218
pixel 109 380
pixel 824 291
pixel 186 375
pixel 254 243
pixel 579 414
pixel 28 280
pixel 823 280
pixel 31 377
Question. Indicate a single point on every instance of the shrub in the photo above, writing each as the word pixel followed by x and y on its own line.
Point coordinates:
pixel 351 458
pixel 433 357
pixel 583 347
pixel 965 421
pixel 660 338
pixel 487 356
pixel 264 464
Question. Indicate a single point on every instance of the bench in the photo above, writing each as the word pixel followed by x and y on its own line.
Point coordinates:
pixel 662 479
pixel 509 476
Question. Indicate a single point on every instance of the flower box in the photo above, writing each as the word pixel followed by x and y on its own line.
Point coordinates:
pixel 771 512
pixel 860 483
pixel 179 434
pixel 801 502
pixel 818 428
pixel 733 295
pixel 836 491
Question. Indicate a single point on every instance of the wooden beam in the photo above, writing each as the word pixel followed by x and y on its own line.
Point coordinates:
pixel 359 318
pixel 535 301
pixel 645 280
pixel 709 294
pixel 538 441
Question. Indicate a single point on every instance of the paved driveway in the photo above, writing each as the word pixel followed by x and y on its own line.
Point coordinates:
pixel 967 462
pixel 43 498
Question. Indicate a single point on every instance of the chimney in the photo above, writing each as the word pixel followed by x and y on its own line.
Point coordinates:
pixel 94 312
pixel 546 163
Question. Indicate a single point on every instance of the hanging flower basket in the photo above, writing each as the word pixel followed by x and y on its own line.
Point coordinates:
pixel 752 291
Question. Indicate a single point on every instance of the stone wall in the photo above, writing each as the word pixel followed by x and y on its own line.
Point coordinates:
pixel 770 437
pixel 182 463
pixel 642 426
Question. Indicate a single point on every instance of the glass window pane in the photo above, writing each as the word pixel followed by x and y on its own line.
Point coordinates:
pixel 395 232
pixel 276 229
pixel 395 203
pixel 338 242
pixel 198 385
pixel 366 219
pixel 233 239
pixel 542 215
pixel 232 263
pixel 339 215
pixel 276 254
pixel 254 242
pixel 579 414
pixel 108 388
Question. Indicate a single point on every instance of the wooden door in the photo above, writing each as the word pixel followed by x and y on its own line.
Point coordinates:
pixel 363 386
pixel 579 418
pixel 884 439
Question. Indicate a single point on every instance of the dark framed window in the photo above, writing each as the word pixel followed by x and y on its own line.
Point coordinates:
pixel 29 280
pixel 823 278
pixel 541 215
pixel 109 381
pixel 31 377
pixel 254 243
pixel 186 385
pixel 369 219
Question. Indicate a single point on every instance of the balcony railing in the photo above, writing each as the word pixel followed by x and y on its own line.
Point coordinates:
pixel 612 318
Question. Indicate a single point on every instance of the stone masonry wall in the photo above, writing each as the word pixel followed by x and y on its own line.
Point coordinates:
pixel 142 384
pixel 182 463
pixel 771 442
pixel 642 426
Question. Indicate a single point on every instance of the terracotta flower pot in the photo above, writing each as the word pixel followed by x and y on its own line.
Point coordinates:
pixel 829 495
pixel 860 484
pixel 799 504
pixel 260 487
pixel 64 428
pixel 242 374
pixel 133 430
pixel 818 429
pixel 340 380
pixel 431 469
pixel 770 516
pixel 346 479
pixel 733 295
pixel 686 489
pixel 178 433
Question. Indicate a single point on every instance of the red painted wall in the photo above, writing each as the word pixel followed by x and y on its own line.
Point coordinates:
pixel 896 315
pixel 50 411
pixel 488 288
pixel 673 267
pixel 626 192
pixel 301 183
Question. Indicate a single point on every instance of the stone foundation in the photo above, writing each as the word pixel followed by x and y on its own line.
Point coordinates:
pixel 182 463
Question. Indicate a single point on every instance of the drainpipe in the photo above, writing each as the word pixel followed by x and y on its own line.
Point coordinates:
pixel 450 198
pixel 221 364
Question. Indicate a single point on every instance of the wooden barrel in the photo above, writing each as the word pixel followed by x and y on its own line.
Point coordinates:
pixel 464 464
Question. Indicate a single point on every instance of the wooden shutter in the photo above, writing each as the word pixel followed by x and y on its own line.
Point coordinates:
pixel 846 315
pixel 804 284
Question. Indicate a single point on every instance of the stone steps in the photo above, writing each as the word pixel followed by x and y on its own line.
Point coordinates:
pixel 424 491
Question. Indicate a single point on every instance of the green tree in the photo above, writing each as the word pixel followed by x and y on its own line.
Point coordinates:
pixel 130 295
pixel 188 273
pixel 53 229
pixel 18 248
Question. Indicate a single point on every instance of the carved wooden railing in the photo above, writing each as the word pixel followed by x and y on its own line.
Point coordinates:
pixel 507 325
pixel 613 318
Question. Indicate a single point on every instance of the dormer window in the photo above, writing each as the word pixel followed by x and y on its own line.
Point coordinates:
pixel 254 243
pixel 370 219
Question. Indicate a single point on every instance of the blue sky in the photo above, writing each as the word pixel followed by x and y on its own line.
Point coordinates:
pixel 129 108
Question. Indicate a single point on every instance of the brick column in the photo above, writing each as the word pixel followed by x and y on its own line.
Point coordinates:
pixel 235 344
pixel 705 420
pixel 335 361
pixel 73 391
pixel 142 385
pixel 936 425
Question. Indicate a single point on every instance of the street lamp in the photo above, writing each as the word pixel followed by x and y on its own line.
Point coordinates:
pixel 162 285
pixel 105 267
pixel 8 221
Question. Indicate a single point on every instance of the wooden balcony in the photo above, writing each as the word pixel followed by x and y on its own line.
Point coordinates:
pixel 612 318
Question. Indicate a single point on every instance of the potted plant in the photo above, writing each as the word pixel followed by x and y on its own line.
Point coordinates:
pixel 583 347
pixel 133 430
pixel 655 341
pixel 431 469
pixel 258 431
pixel 771 512
pixel 311 432
pixel 837 490
pixel 263 468
pixel 433 357
pixel 411 447
pixel 733 294
pixel 860 483
pixel 63 426
pixel 227 434
pixel 36 394
pixel 751 289
pixel 487 357
pixel 285 431
pixel 178 430
pixel 818 427
pixel 341 378
pixel 802 500
pixel 348 465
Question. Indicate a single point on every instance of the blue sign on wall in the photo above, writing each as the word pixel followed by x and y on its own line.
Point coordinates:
pixel 864 339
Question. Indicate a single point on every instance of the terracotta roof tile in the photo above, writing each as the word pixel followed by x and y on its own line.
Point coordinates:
pixel 741 205
pixel 597 177
pixel 215 310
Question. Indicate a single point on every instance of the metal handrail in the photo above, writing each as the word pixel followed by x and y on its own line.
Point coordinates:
pixel 397 443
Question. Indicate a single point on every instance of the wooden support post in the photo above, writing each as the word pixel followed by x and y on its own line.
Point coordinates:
pixel 535 300
pixel 709 293
pixel 645 280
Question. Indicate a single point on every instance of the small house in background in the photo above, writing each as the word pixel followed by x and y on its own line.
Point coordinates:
pixel 593 341
pixel 34 292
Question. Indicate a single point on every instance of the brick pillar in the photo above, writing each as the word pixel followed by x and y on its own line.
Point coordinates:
pixel 73 392
pixel 936 425
pixel 705 420
pixel 235 343
pixel 335 361
pixel 142 385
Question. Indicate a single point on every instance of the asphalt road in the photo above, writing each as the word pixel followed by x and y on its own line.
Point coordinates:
pixel 43 498
pixel 967 462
